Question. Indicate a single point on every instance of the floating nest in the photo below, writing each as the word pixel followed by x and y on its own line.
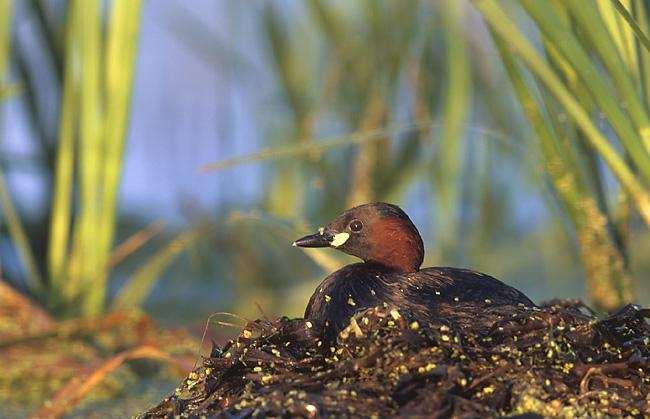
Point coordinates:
pixel 558 360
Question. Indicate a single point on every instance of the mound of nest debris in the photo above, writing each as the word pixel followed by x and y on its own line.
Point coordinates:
pixel 556 360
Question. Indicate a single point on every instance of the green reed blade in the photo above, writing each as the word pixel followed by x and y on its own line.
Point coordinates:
pixel 62 196
pixel 606 274
pixel 456 108
pixel 595 30
pixel 641 36
pixel 302 149
pixel 7 207
pixel 622 34
pixel 89 32
pixel 5 34
pixel 119 70
pixel 552 28
pixel 504 27
pixel 640 13
pixel 19 238
pixel 138 287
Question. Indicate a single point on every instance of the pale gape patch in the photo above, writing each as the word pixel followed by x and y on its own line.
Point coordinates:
pixel 339 239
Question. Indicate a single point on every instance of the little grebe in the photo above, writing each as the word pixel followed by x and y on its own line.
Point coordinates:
pixel 385 238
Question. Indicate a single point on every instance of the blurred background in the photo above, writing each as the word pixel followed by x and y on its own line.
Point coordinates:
pixel 161 156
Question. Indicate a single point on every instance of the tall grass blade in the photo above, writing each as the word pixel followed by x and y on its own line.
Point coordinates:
pixel 135 242
pixel 641 36
pixel 89 34
pixel 456 108
pixel 19 238
pixel 505 28
pixel 609 15
pixel 601 42
pixel 5 35
pixel 121 46
pixel 61 218
pixel 566 42
pixel 9 90
pixel 139 286
pixel 640 13
pixel 629 38
pixel 302 149
pixel 286 189
pixel 608 281
pixel 100 63
pixel 7 207
pixel 364 166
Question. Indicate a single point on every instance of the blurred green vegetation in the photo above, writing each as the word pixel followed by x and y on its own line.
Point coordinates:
pixel 93 57
pixel 462 110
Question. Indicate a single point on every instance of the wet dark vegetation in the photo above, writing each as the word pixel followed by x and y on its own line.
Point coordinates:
pixel 556 360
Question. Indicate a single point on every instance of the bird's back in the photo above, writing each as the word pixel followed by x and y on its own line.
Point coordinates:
pixel 431 294
pixel 448 285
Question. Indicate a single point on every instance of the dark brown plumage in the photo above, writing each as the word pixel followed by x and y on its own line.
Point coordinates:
pixel 385 238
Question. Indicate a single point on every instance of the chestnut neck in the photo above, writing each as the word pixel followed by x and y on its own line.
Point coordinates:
pixel 396 245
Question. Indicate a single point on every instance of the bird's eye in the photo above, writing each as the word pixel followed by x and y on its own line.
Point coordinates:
pixel 356 226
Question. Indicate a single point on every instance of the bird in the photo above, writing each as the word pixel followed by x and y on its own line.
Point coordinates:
pixel 392 250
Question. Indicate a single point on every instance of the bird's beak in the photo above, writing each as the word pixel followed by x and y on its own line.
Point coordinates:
pixel 321 239
pixel 324 238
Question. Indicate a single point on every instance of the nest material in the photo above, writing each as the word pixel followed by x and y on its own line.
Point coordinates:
pixel 558 360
